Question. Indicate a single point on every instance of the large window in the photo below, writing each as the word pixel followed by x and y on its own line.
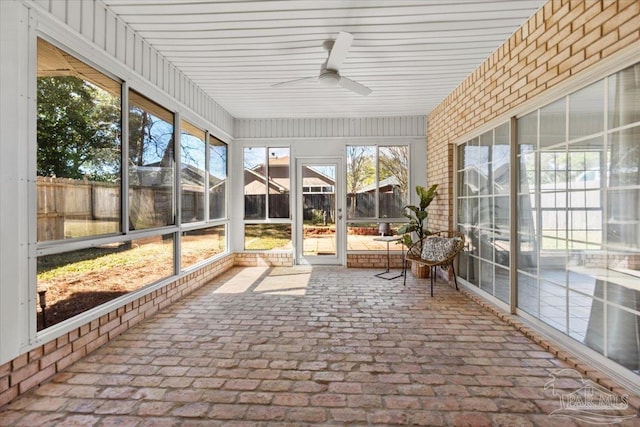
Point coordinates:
pixel 93 244
pixel 79 149
pixel 217 179
pixel 76 281
pixel 483 211
pixel 377 191
pixel 192 172
pixel 266 172
pixel 267 188
pixel 151 164
pixel 393 180
pixel 196 171
pixel 361 182
pixel 577 256
pixel 267 237
pixel 579 216
pixel 377 181
pixel 201 244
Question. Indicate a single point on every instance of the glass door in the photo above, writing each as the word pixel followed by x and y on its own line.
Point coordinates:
pixel 319 216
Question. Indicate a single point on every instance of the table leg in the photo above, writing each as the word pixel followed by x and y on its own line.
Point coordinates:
pixel 388 270
pixel 388 256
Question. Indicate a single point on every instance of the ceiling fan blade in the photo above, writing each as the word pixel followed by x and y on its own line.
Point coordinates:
pixel 354 86
pixel 339 51
pixel 293 82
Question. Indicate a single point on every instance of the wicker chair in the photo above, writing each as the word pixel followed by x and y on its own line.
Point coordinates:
pixel 414 254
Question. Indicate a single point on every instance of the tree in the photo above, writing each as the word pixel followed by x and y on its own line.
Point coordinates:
pixel 78 130
pixel 360 172
pixel 151 165
pixel 150 139
pixel 394 161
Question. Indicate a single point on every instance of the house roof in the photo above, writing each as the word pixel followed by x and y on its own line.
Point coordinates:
pixel 257 176
pixel 390 181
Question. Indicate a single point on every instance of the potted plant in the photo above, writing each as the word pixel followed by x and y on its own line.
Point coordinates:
pixel 414 230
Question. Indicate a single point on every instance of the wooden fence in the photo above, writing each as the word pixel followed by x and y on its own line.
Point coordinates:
pixel 64 199
pixel 363 205
pixel 60 199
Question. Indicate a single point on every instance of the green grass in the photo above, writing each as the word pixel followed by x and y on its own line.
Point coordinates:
pixel 93 260
pixel 267 236
pixel 267 244
pixel 74 228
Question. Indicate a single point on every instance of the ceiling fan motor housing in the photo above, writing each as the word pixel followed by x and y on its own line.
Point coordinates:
pixel 329 77
pixel 330 69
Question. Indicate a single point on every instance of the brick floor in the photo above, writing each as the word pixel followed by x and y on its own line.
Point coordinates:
pixel 308 346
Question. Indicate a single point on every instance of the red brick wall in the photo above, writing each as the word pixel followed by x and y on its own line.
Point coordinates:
pixel 40 364
pixel 259 259
pixel 559 41
pixel 374 260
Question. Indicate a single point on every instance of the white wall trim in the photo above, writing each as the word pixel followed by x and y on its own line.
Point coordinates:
pixel 15 223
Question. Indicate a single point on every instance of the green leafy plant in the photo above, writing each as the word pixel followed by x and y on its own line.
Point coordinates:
pixel 417 216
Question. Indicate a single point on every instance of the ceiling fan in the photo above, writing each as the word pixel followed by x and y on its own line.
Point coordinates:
pixel 330 70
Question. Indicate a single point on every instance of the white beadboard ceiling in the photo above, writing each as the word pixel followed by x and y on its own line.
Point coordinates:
pixel 411 53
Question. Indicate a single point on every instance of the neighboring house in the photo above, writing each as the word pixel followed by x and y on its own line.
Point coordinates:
pixel 313 181
pixel 316 186
pixel 254 183
pixel 387 185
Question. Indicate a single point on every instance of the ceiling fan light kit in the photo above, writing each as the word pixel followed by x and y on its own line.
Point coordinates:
pixel 330 70
pixel 329 78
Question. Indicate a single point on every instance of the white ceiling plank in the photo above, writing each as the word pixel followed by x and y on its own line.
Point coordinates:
pixel 378 38
pixel 330 29
pixel 283 20
pixel 411 53
pixel 132 7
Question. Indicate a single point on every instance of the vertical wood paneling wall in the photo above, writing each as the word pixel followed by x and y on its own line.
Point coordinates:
pixel 97 24
pixel 342 127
